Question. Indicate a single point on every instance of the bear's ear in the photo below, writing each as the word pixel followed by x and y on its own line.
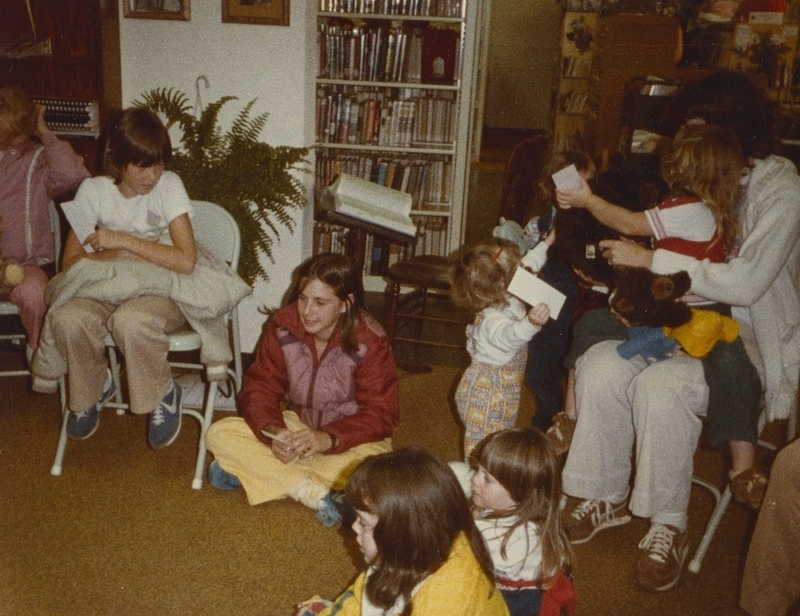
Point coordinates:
pixel 683 283
pixel 661 288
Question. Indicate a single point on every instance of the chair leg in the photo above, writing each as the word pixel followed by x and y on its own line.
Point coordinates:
pixel 62 437
pixel 208 416
pixel 113 363
pixel 391 315
pixel 711 528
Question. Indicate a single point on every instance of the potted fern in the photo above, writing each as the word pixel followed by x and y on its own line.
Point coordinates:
pixel 251 179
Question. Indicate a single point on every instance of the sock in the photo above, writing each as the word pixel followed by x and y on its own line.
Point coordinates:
pixel 308 492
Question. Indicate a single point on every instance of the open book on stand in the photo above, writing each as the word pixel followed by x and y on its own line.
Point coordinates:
pixel 363 200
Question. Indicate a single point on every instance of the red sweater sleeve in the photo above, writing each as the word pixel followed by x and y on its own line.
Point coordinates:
pixel 376 392
pixel 264 386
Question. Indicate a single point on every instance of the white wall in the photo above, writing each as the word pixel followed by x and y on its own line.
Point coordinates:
pixel 267 63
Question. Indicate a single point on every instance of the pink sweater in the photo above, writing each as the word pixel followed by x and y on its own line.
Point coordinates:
pixel 31 174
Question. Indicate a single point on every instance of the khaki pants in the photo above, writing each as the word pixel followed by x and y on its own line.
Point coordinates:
pixel 627 409
pixel 140 328
pixel 266 478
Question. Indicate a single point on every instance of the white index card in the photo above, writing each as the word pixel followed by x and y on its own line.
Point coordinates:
pixel 79 221
pixel 567 179
pixel 533 290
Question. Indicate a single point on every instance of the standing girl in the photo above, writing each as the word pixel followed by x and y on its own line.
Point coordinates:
pixel 704 173
pixel 515 486
pixel 488 394
pixel 424 552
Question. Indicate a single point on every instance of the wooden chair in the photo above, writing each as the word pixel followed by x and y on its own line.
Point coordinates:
pixel 523 170
pixel 429 272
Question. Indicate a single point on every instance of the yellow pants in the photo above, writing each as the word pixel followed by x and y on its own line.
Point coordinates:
pixel 263 476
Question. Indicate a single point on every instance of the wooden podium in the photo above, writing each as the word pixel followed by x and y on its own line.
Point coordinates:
pixel 357 230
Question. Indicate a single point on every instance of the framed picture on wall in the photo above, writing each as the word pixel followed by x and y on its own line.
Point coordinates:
pixel 265 12
pixel 157 9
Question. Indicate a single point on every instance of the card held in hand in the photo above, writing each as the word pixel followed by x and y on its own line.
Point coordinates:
pixel 567 179
pixel 533 290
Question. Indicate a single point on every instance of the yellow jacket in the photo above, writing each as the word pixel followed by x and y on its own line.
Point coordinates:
pixel 458 588
pixel 698 336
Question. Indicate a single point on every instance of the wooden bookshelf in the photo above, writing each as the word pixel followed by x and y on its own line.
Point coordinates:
pixel 70 52
pixel 394 96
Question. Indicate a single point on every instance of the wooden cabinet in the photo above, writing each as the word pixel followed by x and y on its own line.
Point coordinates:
pixel 83 62
pixel 394 97
pixel 628 46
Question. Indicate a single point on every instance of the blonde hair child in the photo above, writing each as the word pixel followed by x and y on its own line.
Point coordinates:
pixel 488 394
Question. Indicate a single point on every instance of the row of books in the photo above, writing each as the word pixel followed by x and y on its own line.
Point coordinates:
pixel 427 179
pixel 397 118
pixel 572 101
pixel 380 253
pixel 71 117
pixel 425 8
pixel 576 67
pixel 383 54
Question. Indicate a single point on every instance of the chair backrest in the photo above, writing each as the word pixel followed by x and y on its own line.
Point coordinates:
pixel 216 229
pixel 55 227
pixel 524 167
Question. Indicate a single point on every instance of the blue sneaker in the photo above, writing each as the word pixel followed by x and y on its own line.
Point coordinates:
pixel 83 424
pixel 222 479
pixel 335 508
pixel 165 420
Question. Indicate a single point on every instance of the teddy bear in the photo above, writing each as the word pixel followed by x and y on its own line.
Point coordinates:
pixel 649 302
pixel 513 232
pixel 660 323
pixel 11 274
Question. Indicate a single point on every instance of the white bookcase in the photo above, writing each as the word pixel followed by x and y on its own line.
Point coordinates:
pixel 387 110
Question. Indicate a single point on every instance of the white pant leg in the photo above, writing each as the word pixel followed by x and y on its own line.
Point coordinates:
pixel 667 398
pixel 599 460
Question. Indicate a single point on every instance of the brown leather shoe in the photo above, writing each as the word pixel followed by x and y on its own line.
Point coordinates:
pixel 749 486
pixel 592 516
pixel 664 548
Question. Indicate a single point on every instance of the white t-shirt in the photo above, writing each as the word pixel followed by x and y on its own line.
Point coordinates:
pixel 523 557
pixel 143 215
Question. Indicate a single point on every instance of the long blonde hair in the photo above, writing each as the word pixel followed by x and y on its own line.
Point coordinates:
pixel 706 161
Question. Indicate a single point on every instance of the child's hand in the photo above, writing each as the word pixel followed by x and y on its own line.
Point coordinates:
pixel 574 198
pixel 108 239
pixel 539 314
pixel 41 125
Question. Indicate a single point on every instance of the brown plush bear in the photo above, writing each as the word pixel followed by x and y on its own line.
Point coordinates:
pixel 649 302
pixel 644 298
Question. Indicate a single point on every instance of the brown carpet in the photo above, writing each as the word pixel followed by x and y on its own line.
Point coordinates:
pixel 121 531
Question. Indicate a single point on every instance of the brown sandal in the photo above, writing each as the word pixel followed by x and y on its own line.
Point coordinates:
pixel 748 486
pixel 561 429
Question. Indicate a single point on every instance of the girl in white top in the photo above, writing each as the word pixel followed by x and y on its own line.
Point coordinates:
pixel 514 483
pixel 488 394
